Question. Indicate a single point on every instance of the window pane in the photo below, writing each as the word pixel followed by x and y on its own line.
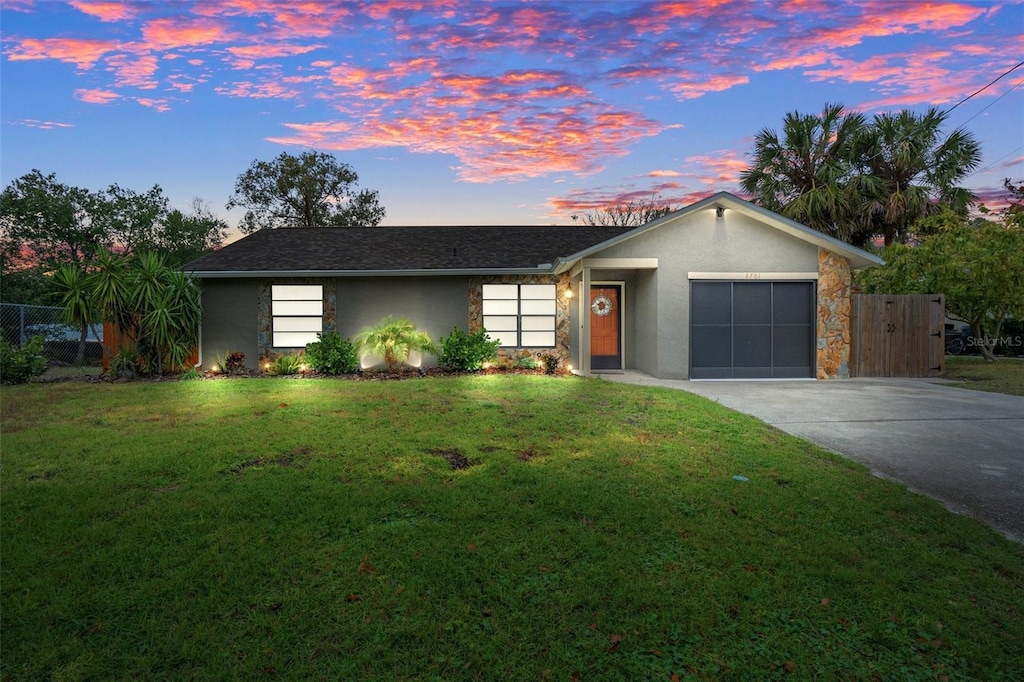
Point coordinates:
pixel 537 291
pixel 504 324
pixel 538 307
pixel 538 339
pixel 499 307
pixel 296 308
pixel 506 291
pixel 539 324
pixel 293 339
pixel 298 324
pixel 297 292
pixel 509 338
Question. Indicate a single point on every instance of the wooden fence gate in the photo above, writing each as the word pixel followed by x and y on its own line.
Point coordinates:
pixel 897 336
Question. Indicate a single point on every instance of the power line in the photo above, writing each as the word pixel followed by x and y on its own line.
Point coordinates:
pixel 993 164
pixel 978 92
pixel 1009 90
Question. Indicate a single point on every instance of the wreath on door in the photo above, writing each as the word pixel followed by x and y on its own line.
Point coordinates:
pixel 601 306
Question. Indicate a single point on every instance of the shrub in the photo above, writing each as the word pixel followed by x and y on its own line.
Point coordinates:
pixel 394 339
pixel 190 374
pixel 286 364
pixel 460 350
pixel 18 365
pixel 332 354
pixel 550 363
pixel 525 362
pixel 234 362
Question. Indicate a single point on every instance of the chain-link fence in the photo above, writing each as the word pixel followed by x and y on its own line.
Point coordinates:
pixel 61 342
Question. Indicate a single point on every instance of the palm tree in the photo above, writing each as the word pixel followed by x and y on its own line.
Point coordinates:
pixel 393 339
pixel 808 174
pixel 915 169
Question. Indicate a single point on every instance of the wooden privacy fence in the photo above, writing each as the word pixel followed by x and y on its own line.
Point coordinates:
pixel 897 336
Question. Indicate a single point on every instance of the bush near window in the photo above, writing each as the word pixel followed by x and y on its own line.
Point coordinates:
pixel 286 364
pixel 394 339
pixel 332 354
pixel 464 351
pixel 18 365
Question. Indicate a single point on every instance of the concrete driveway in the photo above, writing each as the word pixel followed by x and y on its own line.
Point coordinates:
pixel 963 448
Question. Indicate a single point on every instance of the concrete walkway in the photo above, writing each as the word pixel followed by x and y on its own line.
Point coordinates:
pixel 963 448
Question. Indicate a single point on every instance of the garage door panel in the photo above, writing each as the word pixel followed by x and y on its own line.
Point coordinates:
pixel 792 346
pixel 752 303
pixel 792 303
pixel 712 346
pixel 752 346
pixel 712 303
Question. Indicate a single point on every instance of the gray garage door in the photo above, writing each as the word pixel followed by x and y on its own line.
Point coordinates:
pixel 751 330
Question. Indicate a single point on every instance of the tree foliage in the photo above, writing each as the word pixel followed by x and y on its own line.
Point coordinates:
pixel 310 190
pixel 978 264
pixel 154 307
pixel 855 179
pixel 45 223
pixel 915 169
pixel 48 222
pixel 807 172
pixel 630 214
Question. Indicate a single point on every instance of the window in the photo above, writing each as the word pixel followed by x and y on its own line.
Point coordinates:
pixel 298 314
pixel 520 315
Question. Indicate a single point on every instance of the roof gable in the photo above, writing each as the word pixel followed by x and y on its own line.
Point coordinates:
pixel 859 258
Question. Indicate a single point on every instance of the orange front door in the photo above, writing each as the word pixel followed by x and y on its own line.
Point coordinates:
pixel 605 332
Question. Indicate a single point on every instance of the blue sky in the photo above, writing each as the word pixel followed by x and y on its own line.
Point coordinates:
pixel 482 112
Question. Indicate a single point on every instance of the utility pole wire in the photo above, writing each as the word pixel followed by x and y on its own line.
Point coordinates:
pixel 998 78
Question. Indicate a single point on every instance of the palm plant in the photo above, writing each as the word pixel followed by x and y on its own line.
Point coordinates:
pixel 808 174
pixel 72 289
pixel 916 171
pixel 393 339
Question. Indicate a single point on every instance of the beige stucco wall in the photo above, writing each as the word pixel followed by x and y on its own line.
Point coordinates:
pixel 697 242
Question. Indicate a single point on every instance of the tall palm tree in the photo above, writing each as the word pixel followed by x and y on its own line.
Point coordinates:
pixel 808 173
pixel 915 169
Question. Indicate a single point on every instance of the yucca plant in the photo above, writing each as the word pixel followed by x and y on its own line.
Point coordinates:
pixel 394 339
pixel 72 289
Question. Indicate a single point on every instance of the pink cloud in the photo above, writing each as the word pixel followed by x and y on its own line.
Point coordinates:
pixel 664 174
pixel 722 167
pixel 96 96
pixel 491 144
pixel 134 70
pixel 266 90
pixel 82 53
pixel 157 104
pixel 105 11
pixel 173 33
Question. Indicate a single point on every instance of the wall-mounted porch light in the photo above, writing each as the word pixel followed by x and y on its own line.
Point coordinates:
pixel 719 211
pixel 568 293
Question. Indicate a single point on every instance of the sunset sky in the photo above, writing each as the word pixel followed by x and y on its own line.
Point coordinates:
pixel 479 112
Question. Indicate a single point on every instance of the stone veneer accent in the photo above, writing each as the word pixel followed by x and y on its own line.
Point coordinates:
pixel 562 302
pixel 264 322
pixel 834 283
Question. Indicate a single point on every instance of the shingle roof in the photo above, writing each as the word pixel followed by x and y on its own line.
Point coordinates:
pixel 341 249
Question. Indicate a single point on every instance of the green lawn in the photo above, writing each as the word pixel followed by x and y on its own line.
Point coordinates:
pixel 319 529
pixel 1005 375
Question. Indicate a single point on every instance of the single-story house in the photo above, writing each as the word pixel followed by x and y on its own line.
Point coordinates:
pixel 719 289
